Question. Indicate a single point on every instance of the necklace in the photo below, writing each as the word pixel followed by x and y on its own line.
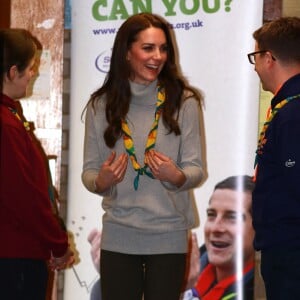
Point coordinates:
pixel 262 140
pixel 25 123
pixel 150 144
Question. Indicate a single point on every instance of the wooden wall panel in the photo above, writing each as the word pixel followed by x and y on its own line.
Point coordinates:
pixel 272 9
pixel 291 8
pixel 4 13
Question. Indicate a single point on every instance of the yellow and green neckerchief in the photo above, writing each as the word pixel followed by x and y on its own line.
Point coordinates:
pixel 25 123
pixel 262 134
pixel 262 140
pixel 150 144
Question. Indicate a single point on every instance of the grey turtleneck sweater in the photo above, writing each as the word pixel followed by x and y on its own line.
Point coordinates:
pixel 155 218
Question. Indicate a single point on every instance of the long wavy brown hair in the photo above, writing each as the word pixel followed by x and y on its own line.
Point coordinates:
pixel 116 87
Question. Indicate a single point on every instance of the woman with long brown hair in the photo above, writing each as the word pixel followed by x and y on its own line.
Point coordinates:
pixel 142 153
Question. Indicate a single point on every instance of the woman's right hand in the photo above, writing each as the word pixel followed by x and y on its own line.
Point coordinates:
pixel 111 172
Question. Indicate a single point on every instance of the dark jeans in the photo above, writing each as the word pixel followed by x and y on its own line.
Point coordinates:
pixel 280 270
pixel 129 277
pixel 23 279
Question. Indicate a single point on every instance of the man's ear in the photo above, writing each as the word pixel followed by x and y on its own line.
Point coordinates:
pixel 270 58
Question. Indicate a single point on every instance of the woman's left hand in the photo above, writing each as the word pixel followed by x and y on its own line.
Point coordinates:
pixel 164 168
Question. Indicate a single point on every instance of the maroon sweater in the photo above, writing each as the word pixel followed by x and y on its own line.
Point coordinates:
pixel 28 227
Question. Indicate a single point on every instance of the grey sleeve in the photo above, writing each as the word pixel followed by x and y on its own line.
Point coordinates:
pixel 190 156
pixel 92 154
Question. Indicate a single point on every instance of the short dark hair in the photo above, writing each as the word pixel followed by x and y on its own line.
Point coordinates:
pixel 281 37
pixel 243 183
pixel 18 47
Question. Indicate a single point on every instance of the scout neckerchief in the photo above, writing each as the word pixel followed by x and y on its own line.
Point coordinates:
pixel 150 144
pixel 25 123
pixel 262 140
pixel 207 288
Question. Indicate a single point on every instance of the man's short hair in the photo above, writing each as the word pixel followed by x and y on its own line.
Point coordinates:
pixel 242 183
pixel 281 37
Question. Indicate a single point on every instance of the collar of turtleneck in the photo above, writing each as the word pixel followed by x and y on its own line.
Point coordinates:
pixel 145 95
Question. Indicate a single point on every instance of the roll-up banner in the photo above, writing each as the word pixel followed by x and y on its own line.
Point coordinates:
pixel 213 38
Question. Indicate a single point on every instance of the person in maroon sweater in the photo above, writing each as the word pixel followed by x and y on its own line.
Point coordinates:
pixel 30 234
